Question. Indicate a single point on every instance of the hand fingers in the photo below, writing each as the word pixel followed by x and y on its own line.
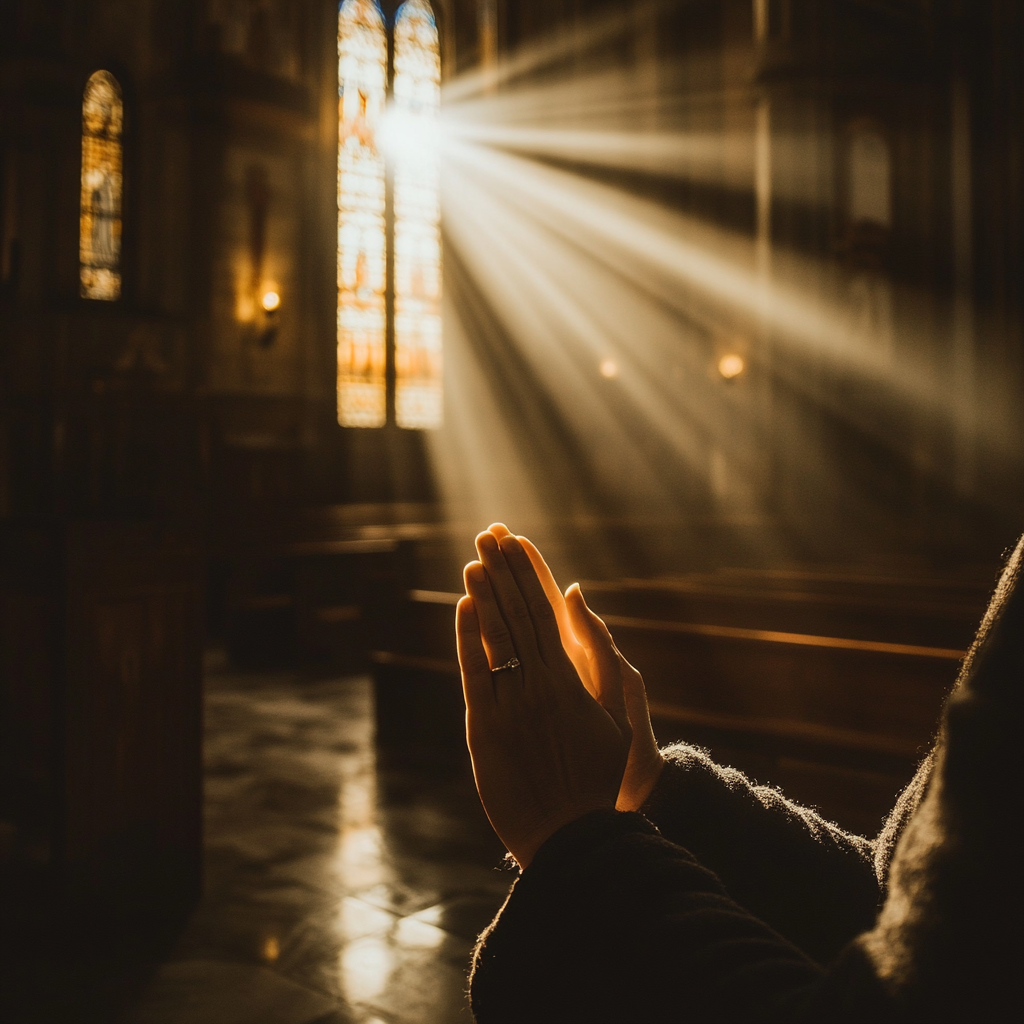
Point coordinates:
pixel 542 614
pixel 569 642
pixel 494 633
pixel 547 581
pixel 476 672
pixel 510 601
pixel 594 636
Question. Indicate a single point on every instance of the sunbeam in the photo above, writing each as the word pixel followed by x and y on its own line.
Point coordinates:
pixel 665 352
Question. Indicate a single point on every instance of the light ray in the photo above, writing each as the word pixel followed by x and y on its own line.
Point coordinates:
pixel 625 355
pixel 685 262
pixel 556 48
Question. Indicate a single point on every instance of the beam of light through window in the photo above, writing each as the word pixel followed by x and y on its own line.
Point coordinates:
pixel 362 90
pixel 698 269
pixel 99 238
pixel 594 320
pixel 412 133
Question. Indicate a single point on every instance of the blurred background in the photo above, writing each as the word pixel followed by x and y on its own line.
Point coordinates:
pixel 718 301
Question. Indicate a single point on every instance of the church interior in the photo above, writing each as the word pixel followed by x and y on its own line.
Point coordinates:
pixel 276 343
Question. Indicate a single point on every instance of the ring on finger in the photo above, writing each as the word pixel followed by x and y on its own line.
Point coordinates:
pixel 512 663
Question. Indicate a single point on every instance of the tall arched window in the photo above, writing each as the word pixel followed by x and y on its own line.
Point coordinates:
pixel 99 238
pixel 362 225
pixel 362 267
pixel 418 393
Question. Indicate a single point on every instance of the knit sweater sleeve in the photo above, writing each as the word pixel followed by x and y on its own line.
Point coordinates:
pixel 807 878
pixel 613 924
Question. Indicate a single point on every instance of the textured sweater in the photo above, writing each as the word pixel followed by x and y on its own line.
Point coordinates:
pixel 723 901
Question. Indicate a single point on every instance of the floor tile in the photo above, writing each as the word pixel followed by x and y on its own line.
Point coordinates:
pixel 413 987
pixel 338 889
pixel 466 915
pixel 212 992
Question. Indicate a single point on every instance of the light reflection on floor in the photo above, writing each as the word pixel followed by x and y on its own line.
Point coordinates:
pixel 336 890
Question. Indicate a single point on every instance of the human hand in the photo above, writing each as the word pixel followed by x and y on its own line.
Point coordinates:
pixel 590 647
pixel 545 751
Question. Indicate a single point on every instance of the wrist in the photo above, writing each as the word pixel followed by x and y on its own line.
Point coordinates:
pixel 527 845
pixel 633 797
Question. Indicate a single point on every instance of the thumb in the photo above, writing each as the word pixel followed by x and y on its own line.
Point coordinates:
pixel 606 668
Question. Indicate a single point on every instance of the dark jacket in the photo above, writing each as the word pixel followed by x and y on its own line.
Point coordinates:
pixel 723 901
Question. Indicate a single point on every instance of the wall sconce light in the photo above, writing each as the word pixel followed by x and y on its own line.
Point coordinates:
pixel 731 366
pixel 271 303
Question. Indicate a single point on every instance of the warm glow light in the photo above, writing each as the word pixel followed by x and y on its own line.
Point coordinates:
pixel 271 948
pixel 411 137
pixel 362 88
pixel 550 272
pixel 271 301
pixel 403 135
pixel 99 233
pixel 731 365
pixel 416 933
pixel 366 968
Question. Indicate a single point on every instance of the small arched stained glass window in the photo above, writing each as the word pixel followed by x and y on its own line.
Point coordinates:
pixel 362 255
pixel 419 399
pixel 99 239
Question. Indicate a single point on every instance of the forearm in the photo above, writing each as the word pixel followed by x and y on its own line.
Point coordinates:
pixel 810 880
pixel 612 923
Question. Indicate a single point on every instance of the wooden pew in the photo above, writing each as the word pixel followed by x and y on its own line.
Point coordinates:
pixel 827 684
pixel 420 711
pixel 312 587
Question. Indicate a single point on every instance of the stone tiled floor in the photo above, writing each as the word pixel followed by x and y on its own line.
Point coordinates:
pixel 337 889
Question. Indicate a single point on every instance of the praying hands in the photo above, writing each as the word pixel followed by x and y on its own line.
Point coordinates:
pixel 556 718
pixel 723 900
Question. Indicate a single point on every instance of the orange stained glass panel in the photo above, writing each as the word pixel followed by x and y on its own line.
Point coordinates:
pixel 362 270
pixel 99 230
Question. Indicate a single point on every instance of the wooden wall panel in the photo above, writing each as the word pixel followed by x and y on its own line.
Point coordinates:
pixel 102 689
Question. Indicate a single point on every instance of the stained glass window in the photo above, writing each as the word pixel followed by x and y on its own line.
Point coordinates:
pixel 362 241
pixel 362 91
pixel 417 84
pixel 99 241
